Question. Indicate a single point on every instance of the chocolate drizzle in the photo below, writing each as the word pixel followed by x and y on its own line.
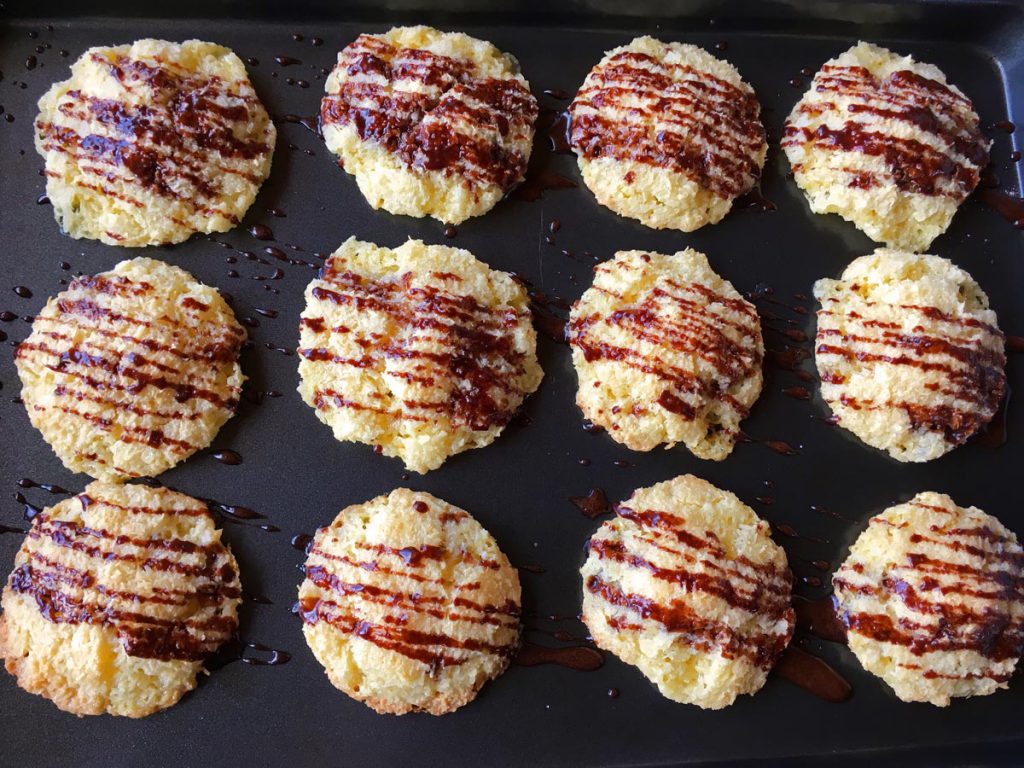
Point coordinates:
pixel 433 620
pixel 946 161
pixel 189 142
pixel 960 357
pixel 166 621
pixel 102 357
pixel 699 563
pixel 433 112
pixel 677 321
pixel 456 359
pixel 708 129
pixel 959 588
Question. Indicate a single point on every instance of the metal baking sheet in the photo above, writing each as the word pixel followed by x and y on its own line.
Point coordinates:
pixel 294 472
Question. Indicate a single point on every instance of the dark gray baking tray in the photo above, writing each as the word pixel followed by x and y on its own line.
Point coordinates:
pixel 295 473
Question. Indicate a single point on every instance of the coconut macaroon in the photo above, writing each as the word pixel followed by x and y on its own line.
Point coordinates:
pixel 421 350
pixel 667 134
pixel 430 123
pixel 129 372
pixel 666 351
pixel 686 584
pixel 887 143
pixel 409 604
pixel 148 143
pixel 910 356
pixel 933 598
pixel 118 595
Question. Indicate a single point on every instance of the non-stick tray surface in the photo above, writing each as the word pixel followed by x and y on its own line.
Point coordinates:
pixel 294 472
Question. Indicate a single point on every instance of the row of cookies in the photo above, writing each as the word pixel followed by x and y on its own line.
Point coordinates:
pixel 119 595
pixel 149 143
pixel 424 352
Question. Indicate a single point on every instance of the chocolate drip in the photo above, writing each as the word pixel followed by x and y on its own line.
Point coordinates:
pixel 593 505
pixel 581 658
pixel 820 618
pixel 813 674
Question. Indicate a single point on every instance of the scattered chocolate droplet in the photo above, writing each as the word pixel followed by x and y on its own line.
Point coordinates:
pixel 227 456
pixel 593 505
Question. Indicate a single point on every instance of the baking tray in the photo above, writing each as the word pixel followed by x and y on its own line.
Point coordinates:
pixel 295 473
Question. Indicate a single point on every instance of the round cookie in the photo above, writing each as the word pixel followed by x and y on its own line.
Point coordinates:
pixel 887 143
pixel 129 372
pixel 933 598
pixel 421 350
pixel 667 134
pixel 666 351
pixel 910 356
pixel 409 604
pixel 430 123
pixel 148 143
pixel 117 597
pixel 686 584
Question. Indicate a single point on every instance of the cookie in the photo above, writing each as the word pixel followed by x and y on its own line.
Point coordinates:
pixel 686 584
pixel 409 604
pixel 117 597
pixel 666 351
pixel 128 372
pixel 149 143
pixel 910 356
pixel 422 351
pixel 933 598
pixel 667 134
pixel 430 123
pixel 887 143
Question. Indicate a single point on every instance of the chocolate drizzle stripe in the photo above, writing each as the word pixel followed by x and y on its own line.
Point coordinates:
pixel 708 129
pixel 706 635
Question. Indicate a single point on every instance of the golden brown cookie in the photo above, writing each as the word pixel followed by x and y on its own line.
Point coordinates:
pixel 910 356
pixel 117 597
pixel 409 604
pixel 666 351
pixel 131 371
pixel 430 123
pixel 887 143
pixel 667 134
pixel 933 597
pixel 686 584
pixel 421 350
pixel 148 143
